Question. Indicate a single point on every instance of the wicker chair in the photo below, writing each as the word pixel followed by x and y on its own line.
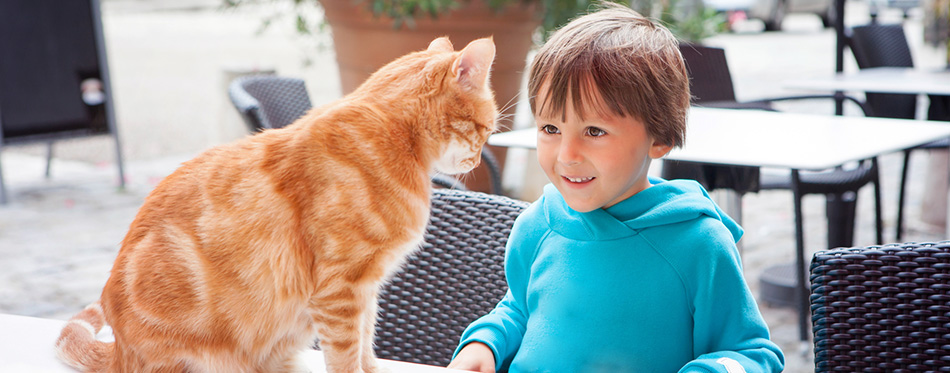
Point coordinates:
pixel 457 276
pixel 882 308
pixel 876 45
pixel 268 101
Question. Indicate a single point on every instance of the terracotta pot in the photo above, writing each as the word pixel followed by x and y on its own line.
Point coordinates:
pixel 364 43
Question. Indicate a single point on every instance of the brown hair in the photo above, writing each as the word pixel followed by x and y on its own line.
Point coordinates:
pixel 634 63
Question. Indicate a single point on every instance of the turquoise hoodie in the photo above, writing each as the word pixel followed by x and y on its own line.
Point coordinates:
pixel 651 284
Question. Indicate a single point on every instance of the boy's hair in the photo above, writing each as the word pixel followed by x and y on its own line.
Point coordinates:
pixel 634 63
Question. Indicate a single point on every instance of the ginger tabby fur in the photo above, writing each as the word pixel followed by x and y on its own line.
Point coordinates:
pixel 246 254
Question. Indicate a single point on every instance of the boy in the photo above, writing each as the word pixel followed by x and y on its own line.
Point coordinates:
pixel 610 271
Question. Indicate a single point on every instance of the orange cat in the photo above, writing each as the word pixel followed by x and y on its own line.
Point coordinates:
pixel 243 256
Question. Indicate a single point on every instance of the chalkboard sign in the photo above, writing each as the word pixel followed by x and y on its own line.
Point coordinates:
pixel 54 81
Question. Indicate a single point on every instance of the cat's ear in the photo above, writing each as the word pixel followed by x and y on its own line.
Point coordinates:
pixel 441 45
pixel 473 63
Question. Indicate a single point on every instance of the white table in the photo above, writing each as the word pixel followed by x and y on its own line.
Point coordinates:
pixel 26 345
pixel 899 80
pixel 784 140
pixel 906 80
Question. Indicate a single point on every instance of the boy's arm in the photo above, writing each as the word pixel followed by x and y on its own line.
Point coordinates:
pixel 729 334
pixel 501 330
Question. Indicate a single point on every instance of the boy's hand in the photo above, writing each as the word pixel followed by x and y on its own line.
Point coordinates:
pixel 476 357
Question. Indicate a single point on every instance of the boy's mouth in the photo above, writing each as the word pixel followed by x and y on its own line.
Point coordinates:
pixel 578 180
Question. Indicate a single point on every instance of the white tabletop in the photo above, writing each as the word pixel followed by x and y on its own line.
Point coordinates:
pixel 26 345
pixel 881 80
pixel 776 139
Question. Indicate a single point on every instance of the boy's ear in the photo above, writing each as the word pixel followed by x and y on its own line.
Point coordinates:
pixel 473 64
pixel 441 44
pixel 658 150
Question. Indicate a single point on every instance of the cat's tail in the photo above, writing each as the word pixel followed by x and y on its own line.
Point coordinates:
pixel 77 345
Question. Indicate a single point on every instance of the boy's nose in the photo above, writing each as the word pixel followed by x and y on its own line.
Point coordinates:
pixel 569 152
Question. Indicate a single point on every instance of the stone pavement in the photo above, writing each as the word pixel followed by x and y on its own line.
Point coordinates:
pixel 170 61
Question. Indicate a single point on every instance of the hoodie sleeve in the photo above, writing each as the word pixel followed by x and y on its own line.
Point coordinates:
pixel 503 328
pixel 729 334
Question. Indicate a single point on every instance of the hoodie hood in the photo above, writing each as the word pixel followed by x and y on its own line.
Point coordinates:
pixel 664 203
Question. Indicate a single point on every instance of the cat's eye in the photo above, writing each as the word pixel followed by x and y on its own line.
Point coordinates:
pixel 595 132
pixel 550 130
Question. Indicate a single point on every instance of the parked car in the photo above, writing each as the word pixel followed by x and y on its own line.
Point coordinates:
pixel 773 12
pixel 875 6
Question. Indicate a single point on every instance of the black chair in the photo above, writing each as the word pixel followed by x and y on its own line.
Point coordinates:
pixel 711 86
pixel 268 101
pixel 54 77
pixel 877 45
pixel 456 277
pixel 882 308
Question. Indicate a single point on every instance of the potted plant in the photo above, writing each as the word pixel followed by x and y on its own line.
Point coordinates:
pixel 937 24
pixel 369 33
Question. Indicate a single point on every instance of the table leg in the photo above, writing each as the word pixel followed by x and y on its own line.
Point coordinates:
pixel 801 294
pixel 840 210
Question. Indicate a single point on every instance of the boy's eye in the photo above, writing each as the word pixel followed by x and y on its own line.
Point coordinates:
pixel 594 131
pixel 549 129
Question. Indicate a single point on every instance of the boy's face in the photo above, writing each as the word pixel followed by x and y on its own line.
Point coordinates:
pixel 598 162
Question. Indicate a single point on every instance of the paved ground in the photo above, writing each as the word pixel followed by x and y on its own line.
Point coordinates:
pixel 170 61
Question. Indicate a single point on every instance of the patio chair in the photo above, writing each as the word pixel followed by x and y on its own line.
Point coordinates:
pixel 268 101
pixel 456 277
pixel 882 308
pixel 877 45
pixel 54 77
pixel 711 86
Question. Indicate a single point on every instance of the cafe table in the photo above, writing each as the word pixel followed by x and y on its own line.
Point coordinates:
pixel 921 81
pixel 26 345
pixel 904 80
pixel 799 142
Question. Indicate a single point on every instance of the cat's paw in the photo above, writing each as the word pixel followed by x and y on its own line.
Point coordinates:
pixel 377 369
pixel 372 366
pixel 299 364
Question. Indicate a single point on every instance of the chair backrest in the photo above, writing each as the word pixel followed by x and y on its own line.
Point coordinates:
pixel 268 101
pixel 710 84
pixel 709 77
pixel 882 308
pixel 54 80
pixel 456 277
pixel 877 45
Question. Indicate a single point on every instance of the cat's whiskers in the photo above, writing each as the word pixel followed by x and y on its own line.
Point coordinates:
pixel 509 104
pixel 504 123
pixel 465 178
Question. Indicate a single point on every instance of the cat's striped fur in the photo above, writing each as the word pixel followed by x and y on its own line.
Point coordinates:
pixel 245 254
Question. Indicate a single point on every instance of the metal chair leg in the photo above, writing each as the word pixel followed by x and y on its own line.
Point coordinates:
pixel 3 187
pixel 878 221
pixel 900 197
pixel 118 159
pixel 49 158
pixel 801 292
